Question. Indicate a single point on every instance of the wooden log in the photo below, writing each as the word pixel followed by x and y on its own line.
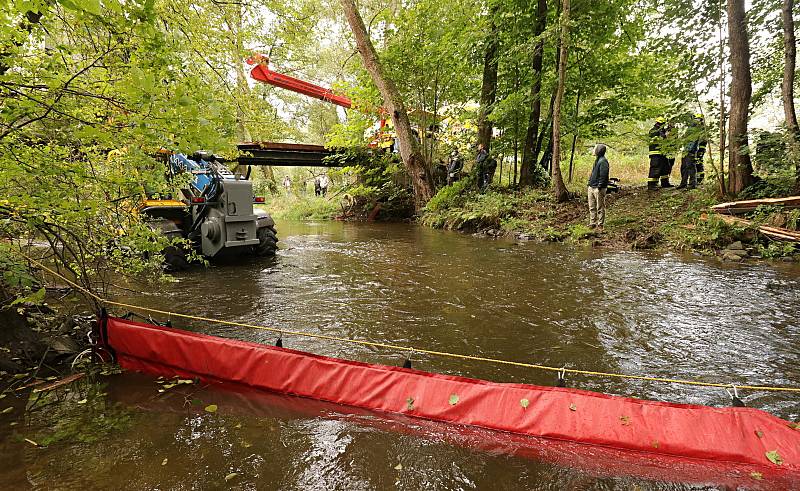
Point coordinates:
pixel 771 232
pixel 747 206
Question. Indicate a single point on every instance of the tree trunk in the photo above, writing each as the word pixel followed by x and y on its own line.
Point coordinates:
pixel 787 88
pixel 559 189
pixel 489 83
pixel 740 170
pixel 530 151
pixel 722 113
pixel 409 149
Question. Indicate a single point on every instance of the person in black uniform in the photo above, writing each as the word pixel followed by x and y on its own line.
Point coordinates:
pixel 658 161
pixel 695 150
pixel 454 167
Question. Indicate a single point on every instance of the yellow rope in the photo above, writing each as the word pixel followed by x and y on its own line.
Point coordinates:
pixel 413 350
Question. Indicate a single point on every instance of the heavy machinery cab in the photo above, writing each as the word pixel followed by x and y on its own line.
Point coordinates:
pixel 216 213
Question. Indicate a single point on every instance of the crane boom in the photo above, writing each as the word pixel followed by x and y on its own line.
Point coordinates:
pixel 262 73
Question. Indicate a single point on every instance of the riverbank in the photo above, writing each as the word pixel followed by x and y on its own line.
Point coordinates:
pixel 636 218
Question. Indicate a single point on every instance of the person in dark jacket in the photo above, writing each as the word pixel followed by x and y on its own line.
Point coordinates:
pixel 454 167
pixel 598 185
pixel 481 164
pixel 658 160
pixel 693 154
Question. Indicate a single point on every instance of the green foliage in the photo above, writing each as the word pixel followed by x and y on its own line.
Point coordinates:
pixel 450 196
pixel 773 250
pixel 305 208
pixel 580 231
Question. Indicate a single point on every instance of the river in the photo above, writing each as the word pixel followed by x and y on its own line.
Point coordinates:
pixel 646 314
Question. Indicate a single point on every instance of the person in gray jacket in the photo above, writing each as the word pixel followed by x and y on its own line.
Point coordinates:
pixel 598 185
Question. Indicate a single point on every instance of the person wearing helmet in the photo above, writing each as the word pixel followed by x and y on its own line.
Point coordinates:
pixel 694 152
pixel 658 161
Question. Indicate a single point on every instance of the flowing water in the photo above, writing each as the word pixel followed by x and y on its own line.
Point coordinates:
pixel 659 315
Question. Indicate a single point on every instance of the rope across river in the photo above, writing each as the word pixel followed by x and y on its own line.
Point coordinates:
pixel 408 349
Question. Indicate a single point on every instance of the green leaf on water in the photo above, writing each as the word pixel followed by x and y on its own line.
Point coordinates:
pixel 164 462
pixel 453 399
pixel 398 467
pixel 83 401
pixel 774 457
pixel 238 426
pixel 169 386
pixel 410 403
pixel 211 408
pixel 524 403
pixel 757 476
pixel 7 410
pixel 231 476
pixel 247 444
pixel 185 381
pixel 3 396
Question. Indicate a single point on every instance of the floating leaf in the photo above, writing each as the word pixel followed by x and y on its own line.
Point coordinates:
pixel 247 444
pixel 238 426
pixel 231 476
pixel 7 410
pixel 83 401
pixel 185 381
pixel 398 467
pixel 13 423
pixel 211 408
pixel 759 433
pixel 410 403
pixel 164 462
pixel 524 403
pixel 626 420
pixel 3 396
pixel 757 476
pixel 774 457
pixel 453 399
pixel 161 390
pixel 573 407
pixel 32 442
pixel 169 386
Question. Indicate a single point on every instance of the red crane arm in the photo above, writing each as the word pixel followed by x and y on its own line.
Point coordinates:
pixel 262 73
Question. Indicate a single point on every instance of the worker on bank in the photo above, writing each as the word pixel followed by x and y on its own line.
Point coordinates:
pixel 656 149
pixel 454 167
pixel 666 170
pixel 485 167
pixel 693 154
pixel 598 186
pixel 316 186
pixel 287 185
pixel 323 184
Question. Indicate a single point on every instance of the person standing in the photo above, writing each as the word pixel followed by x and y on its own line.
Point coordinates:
pixel 694 152
pixel 317 187
pixel 323 184
pixel 669 162
pixel 480 165
pixel 454 167
pixel 287 185
pixel 658 161
pixel 598 185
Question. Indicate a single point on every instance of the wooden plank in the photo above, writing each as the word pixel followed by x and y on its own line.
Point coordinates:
pixel 58 383
pixel 771 232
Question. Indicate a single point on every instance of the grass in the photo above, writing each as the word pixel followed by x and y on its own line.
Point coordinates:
pixel 304 207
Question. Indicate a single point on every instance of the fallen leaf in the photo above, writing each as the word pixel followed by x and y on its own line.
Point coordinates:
pixel 626 420
pixel 794 426
pixel 211 408
pixel 13 423
pixel 169 386
pixel 757 476
pixel 160 390
pixel 83 401
pixel 398 467
pixel 32 442
pixel 185 381
pixel 453 399
pixel 524 403
pixel 231 476
pixel 774 457
pixel 410 403
pixel 7 410
pixel 759 433
pixel 2 396
pixel 247 445
pixel 164 462
pixel 238 426
pixel 655 443
pixel 573 407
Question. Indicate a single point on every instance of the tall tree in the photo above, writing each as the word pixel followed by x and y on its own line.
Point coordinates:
pixel 787 87
pixel 489 83
pixel 560 190
pixel 740 169
pixel 409 148
pixel 529 152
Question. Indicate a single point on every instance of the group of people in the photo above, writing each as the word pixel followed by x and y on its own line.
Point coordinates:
pixel 321 183
pixel 662 144
pixel 485 167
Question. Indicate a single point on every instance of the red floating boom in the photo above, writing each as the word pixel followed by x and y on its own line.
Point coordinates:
pixel 744 438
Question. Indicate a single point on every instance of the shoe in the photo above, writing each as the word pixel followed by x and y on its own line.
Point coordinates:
pixel 666 185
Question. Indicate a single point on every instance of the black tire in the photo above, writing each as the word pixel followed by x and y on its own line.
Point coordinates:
pixel 267 242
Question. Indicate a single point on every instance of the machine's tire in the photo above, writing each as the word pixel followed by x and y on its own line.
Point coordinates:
pixel 267 242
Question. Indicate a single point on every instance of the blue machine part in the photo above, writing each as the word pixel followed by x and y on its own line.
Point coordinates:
pixel 201 171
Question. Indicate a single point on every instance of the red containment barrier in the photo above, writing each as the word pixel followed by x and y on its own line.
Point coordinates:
pixel 747 440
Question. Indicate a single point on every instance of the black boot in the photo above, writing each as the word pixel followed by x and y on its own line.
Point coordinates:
pixel 665 183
